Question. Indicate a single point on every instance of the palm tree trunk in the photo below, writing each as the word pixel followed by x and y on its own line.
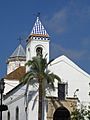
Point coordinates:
pixel 40 101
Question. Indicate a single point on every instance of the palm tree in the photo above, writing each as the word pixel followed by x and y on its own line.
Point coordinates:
pixel 39 71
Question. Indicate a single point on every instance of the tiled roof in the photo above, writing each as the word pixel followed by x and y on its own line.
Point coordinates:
pixel 19 52
pixel 38 29
pixel 16 74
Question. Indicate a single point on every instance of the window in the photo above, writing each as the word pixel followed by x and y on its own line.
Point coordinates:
pixel 8 115
pixel 39 51
pixel 28 49
pixel 17 113
pixel 61 91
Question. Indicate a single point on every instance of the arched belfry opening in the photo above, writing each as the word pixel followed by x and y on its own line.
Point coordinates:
pixel 39 51
pixel 61 113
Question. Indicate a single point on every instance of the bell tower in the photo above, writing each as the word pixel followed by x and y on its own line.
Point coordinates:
pixel 37 42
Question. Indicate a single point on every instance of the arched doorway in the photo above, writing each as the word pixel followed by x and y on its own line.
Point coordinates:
pixel 61 113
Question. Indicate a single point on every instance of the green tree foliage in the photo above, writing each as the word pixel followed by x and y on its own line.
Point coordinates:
pixel 82 113
pixel 88 113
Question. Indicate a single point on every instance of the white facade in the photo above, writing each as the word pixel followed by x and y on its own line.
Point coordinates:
pixel 13 65
pixel 28 106
pixel 14 100
pixel 68 71
pixel 34 44
pixel 72 74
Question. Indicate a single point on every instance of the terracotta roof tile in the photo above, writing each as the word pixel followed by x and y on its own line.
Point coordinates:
pixel 17 74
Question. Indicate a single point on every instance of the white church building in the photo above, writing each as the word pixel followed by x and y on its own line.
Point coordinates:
pixel 74 86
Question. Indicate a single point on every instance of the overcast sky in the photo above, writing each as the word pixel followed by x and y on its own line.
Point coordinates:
pixel 66 21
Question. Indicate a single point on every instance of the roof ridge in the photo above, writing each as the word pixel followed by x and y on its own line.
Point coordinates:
pixel 19 49
pixel 70 63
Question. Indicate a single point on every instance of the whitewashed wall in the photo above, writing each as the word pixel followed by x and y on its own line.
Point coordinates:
pixel 15 100
pixel 74 75
pixel 13 65
pixel 33 44
pixel 10 84
pixel 68 72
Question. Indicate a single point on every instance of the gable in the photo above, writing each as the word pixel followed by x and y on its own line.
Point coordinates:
pixel 66 61
pixel 76 78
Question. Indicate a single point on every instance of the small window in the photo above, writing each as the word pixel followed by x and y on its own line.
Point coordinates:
pixel 28 49
pixel 8 115
pixel 61 91
pixel 17 113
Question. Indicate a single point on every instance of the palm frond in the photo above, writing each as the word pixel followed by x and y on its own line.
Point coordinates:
pixel 28 76
pixel 51 78
pixel 29 63
pixel 57 77
pixel 34 102
pixel 27 86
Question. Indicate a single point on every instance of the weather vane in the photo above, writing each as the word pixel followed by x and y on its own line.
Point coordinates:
pixel 37 15
pixel 20 39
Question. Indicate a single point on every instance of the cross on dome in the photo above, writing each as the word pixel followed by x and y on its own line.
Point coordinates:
pixel 38 29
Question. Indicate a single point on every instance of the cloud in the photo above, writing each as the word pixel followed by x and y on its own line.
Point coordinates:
pixel 57 22
pixel 76 10
pixel 72 16
pixel 74 54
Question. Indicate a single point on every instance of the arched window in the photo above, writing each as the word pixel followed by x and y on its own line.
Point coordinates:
pixel 17 113
pixel 8 115
pixel 39 51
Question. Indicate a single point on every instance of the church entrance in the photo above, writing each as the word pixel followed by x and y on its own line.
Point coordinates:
pixel 61 113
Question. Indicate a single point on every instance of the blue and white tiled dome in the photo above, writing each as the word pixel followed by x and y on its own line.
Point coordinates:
pixel 38 29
